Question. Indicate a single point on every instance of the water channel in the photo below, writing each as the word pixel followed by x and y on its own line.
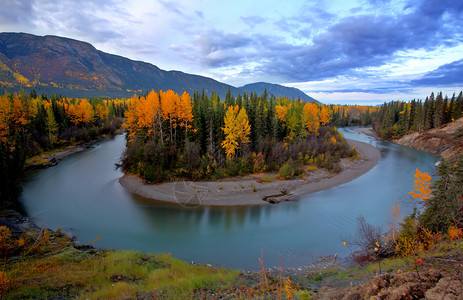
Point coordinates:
pixel 83 196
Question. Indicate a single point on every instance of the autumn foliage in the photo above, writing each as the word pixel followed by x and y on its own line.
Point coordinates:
pixel 197 136
pixel 421 187
pixel 236 130
pixel 30 124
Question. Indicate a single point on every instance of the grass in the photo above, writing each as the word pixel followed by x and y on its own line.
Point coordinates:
pixel 356 273
pixel 110 274
pixel 267 179
pixel 53 267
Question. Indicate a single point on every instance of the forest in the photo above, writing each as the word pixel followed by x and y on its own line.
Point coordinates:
pixel 396 118
pixel 31 124
pixel 200 137
pixel 171 136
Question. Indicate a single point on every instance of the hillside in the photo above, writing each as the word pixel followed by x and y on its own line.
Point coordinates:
pixel 52 64
pixel 446 141
pixel 276 89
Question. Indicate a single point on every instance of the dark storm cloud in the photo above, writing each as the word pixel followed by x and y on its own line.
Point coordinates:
pixel 347 46
pixel 366 41
pixel 449 74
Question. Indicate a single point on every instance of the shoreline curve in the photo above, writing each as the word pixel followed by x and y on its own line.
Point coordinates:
pixel 247 190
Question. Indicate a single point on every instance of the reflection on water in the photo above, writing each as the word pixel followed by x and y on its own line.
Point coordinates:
pixel 82 194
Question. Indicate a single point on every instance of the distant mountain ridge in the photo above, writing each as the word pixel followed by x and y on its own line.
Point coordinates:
pixel 276 89
pixel 52 64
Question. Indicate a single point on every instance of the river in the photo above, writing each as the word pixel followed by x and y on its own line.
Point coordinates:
pixel 83 196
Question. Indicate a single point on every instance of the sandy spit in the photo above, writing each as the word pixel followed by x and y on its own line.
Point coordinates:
pixel 248 190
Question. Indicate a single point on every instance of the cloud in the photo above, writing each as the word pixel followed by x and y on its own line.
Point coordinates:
pixel 448 74
pixel 17 13
pixel 199 14
pixel 297 42
pixel 172 7
pixel 252 20
pixel 84 19
pixel 221 49
pixel 349 46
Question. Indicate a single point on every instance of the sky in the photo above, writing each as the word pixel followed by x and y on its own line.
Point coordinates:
pixel 337 51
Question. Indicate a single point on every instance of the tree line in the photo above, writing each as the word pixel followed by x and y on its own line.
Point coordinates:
pixel 396 118
pixel 202 137
pixel 31 124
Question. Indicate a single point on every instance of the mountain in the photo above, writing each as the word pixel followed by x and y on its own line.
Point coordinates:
pixel 276 89
pixel 58 65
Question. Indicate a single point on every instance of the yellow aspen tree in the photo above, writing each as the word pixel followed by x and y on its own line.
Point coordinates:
pixel 131 123
pixel 86 112
pixel 310 118
pixel 101 111
pixel 169 103
pixel 325 116
pixel 80 112
pixel 185 111
pixel 147 112
pixel 19 114
pixel 280 112
pixel 236 130
pixel 244 129
pixel 154 101
pixel 230 143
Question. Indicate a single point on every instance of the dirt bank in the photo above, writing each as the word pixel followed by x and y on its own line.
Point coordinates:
pixel 446 141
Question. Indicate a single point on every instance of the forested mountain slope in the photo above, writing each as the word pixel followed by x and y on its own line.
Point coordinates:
pixel 58 65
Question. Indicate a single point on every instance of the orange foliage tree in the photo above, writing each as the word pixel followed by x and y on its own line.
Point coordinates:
pixel 185 114
pixel 421 188
pixel 148 112
pixel 310 118
pixel 325 117
pixel 80 112
pixel 169 106
pixel 280 112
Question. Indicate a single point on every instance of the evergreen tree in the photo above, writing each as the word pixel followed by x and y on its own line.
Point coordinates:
pixel 428 112
pixel 444 208
pixel 439 111
pixel 412 115
pixel 458 107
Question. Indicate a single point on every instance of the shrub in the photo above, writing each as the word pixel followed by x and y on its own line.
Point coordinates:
pixel 288 170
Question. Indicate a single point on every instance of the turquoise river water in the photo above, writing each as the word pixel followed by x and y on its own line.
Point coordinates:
pixel 82 194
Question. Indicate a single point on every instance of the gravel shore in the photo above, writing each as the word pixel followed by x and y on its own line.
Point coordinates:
pixel 249 190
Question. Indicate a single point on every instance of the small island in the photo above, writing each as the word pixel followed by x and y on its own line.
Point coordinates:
pixel 246 150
